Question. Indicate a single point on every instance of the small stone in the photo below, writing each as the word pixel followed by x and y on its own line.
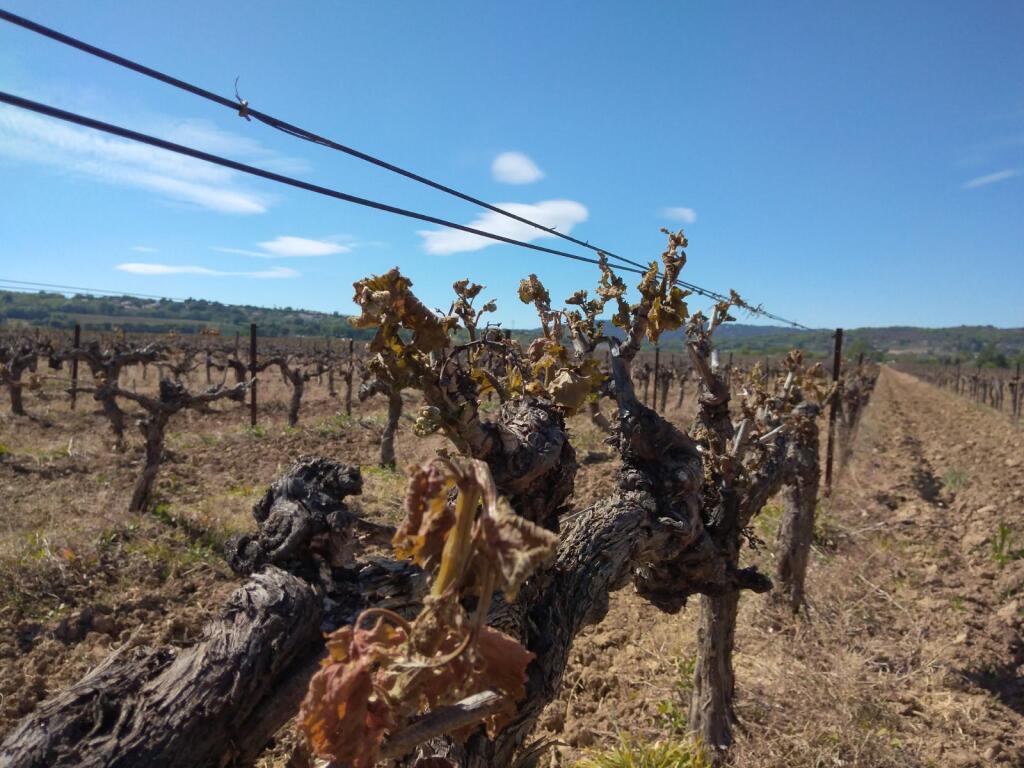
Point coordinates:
pixel 972 540
pixel 1010 611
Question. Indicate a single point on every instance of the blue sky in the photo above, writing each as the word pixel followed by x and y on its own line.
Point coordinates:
pixel 845 164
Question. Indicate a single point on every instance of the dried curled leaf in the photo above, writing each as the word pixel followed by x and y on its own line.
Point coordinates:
pixel 344 715
pixel 569 389
pixel 515 546
pixel 428 518
pixel 377 679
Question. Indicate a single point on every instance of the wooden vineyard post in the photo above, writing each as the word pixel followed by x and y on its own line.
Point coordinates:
pixel 74 366
pixel 1015 395
pixel 348 376
pixel 657 365
pixel 236 345
pixel 252 374
pixel 833 410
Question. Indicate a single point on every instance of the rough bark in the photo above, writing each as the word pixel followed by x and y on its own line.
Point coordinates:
pixel 800 499
pixel 387 437
pixel 650 531
pixel 376 386
pixel 114 414
pixel 531 458
pixel 295 401
pixel 714 682
pixel 15 359
pixel 153 430
pixel 219 700
pixel 17 403
pixel 732 496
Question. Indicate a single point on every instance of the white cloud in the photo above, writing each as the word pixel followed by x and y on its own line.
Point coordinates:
pixel 243 252
pixel 205 136
pixel 561 214
pixel 142 268
pixel 143 249
pixel 289 246
pixel 84 153
pixel 991 178
pixel 515 168
pixel 685 215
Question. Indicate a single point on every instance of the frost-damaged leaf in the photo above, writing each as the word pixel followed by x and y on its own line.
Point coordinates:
pixel 378 678
pixel 569 389
pixel 513 545
pixel 428 518
pixel 386 301
pixel 466 289
pixel 532 291
pixel 505 662
pixel 516 546
pixel 343 715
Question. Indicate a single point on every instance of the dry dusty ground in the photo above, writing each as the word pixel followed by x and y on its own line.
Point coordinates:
pixel 911 653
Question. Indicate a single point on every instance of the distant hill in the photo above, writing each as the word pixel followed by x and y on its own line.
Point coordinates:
pixel 131 314
pixel 965 342
pixel 999 346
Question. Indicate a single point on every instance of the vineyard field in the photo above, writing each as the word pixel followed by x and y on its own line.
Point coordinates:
pixel 908 656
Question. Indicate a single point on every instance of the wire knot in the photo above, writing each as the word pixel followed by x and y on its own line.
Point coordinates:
pixel 243 104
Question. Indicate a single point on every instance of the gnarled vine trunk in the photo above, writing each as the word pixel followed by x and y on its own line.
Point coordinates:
pixel 154 428
pixel 387 437
pixel 217 701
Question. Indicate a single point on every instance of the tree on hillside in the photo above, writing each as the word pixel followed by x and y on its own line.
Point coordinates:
pixel 991 357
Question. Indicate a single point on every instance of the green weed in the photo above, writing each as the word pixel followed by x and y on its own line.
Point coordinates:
pixel 672 712
pixel 1003 551
pixel 336 426
pixel 954 480
pixel 662 754
pixel 257 432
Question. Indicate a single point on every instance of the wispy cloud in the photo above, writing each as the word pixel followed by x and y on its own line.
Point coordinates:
pixel 561 214
pixel 685 215
pixel 82 153
pixel 991 178
pixel 142 268
pixel 204 135
pixel 143 249
pixel 289 246
pixel 515 168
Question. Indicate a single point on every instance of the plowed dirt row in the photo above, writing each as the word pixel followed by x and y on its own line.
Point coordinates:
pixel 911 653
